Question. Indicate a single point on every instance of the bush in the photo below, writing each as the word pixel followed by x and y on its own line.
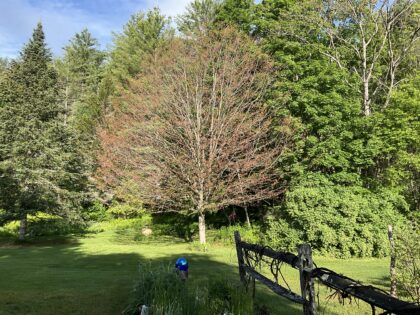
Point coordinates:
pixel 44 225
pixel 248 234
pixel 49 225
pixel 336 220
pixel 97 212
pixel 125 211
pixel 177 225
pixel 161 289
pixel 408 262
pixel 9 229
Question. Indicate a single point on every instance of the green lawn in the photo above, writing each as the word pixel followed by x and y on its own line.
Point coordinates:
pixel 94 274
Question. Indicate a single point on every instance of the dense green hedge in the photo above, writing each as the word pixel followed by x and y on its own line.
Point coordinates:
pixel 336 220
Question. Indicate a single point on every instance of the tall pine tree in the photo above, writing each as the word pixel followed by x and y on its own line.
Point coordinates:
pixel 80 73
pixel 140 37
pixel 40 168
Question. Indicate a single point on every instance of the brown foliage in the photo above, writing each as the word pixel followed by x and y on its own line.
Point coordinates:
pixel 193 128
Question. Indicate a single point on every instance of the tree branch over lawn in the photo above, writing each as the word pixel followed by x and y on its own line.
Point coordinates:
pixel 194 130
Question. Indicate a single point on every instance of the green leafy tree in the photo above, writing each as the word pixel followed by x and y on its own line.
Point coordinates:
pixel 337 150
pixel 41 168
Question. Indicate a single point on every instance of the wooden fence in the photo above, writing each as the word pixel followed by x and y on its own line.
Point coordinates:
pixel 252 255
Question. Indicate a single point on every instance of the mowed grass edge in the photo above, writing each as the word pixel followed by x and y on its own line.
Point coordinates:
pixel 95 274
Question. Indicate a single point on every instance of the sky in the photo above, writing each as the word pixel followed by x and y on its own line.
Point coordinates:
pixel 63 18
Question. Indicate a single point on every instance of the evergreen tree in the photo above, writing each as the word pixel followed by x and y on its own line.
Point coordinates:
pixel 40 166
pixel 4 62
pixel 142 34
pixel 199 18
pixel 237 12
pixel 80 72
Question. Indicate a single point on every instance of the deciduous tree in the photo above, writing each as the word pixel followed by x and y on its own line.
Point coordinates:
pixel 202 140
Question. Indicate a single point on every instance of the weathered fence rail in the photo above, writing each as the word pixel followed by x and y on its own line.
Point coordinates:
pixel 251 255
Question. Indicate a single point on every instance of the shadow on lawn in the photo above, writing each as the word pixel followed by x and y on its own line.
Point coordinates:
pixel 383 283
pixel 60 277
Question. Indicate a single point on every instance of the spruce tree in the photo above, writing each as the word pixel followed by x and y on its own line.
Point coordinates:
pixel 40 168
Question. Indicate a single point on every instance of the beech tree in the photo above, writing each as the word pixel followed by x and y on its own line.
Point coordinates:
pixel 202 140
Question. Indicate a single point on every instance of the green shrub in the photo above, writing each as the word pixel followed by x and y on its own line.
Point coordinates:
pixel 407 252
pixel 177 225
pixel 125 211
pixel 43 224
pixel 97 212
pixel 161 289
pixel 248 234
pixel 343 221
pixel 46 225
pixel 9 229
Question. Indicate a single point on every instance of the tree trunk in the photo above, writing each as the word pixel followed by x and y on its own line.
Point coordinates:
pixel 366 100
pixel 365 79
pixel 393 290
pixel 248 222
pixel 22 227
pixel 202 227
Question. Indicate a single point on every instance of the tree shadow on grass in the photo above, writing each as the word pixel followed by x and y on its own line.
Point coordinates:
pixel 61 277
pixel 47 278
pixel 383 283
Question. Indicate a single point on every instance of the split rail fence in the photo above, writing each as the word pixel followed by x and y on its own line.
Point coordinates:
pixel 250 256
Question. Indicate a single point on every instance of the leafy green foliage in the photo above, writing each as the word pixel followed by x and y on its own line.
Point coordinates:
pixel 248 234
pixel 341 166
pixel 236 12
pixel 396 136
pixel 407 241
pixel 44 225
pixel 124 211
pixel 4 63
pixel 337 220
pixel 96 212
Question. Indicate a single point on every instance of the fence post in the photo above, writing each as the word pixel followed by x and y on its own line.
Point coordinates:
pixel 239 252
pixel 306 282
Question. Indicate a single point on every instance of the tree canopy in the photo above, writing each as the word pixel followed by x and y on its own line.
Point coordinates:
pixel 40 167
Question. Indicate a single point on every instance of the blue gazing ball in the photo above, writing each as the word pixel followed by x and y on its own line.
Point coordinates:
pixel 181 264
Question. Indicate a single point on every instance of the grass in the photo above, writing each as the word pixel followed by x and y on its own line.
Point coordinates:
pixel 95 274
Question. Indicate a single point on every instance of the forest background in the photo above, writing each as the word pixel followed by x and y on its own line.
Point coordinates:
pixel 319 132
